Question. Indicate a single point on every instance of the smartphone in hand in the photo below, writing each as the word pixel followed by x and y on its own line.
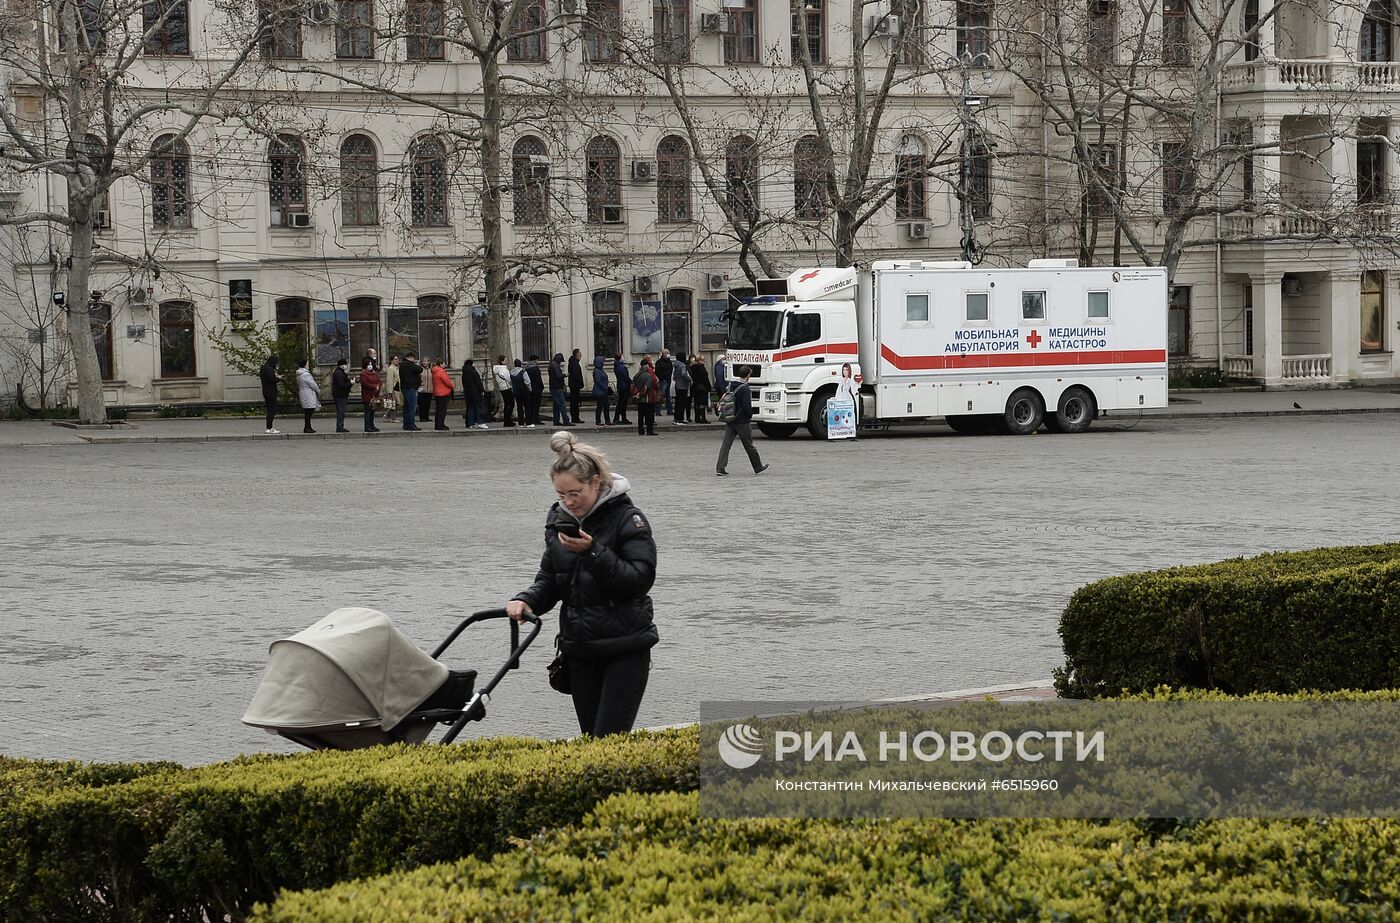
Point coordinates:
pixel 567 528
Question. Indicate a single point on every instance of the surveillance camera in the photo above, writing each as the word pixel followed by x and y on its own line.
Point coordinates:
pixel 58 298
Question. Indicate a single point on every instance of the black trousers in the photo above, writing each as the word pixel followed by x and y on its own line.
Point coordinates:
pixel 646 418
pixel 536 400
pixel 425 405
pixel 508 403
pixel 575 402
pixel 342 407
pixel 601 414
pixel 270 405
pixel 306 427
pixel 702 405
pixel 745 435
pixel 682 405
pixel 620 415
pixel 440 411
pixel 608 693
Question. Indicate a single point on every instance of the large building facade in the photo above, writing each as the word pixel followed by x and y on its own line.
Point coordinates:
pixel 651 152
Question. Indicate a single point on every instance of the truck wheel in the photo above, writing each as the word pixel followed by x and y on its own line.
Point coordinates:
pixel 777 430
pixel 1025 411
pixel 1076 411
pixel 816 416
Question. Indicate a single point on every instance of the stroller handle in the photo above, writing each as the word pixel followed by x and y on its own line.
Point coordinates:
pixel 475 710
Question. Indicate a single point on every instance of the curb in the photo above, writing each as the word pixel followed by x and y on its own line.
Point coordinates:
pixel 387 433
pixel 1231 414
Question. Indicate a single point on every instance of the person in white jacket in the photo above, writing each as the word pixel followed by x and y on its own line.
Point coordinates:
pixel 500 375
pixel 309 391
pixel 848 390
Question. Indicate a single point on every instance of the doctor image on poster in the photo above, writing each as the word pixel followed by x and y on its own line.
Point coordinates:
pixel 847 389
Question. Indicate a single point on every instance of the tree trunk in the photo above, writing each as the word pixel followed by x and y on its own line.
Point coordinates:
pixel 498 311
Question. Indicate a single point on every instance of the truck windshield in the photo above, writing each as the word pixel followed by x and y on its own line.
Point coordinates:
pixel 755 330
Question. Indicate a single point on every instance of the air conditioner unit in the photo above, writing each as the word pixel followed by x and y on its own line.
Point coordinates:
pixel 713 23
pixel 297 220
pixel 539 171
pixel 917 230
pixel 612 214
pixel 643 285
pixel 568 7
pixel 320 12
pixel 135 331
pixel 716 282
pixel 137 295
pixel 887 26
pixel 1292 286
pixel 643 170
pixel 101 219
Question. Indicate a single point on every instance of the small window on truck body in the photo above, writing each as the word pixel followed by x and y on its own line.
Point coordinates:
pixel 803 328
pixel 977 307
pixel 916 308
pixel 1098 306
pixel 1032 306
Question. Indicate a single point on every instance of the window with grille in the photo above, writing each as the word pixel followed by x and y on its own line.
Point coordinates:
pixel 741 176
pixel 814 36
pixel 607 323
pixel 90 28
pixel 165 25
pixel 673 180
pixel 676 320
pixel 170 183
pixel 1176 46
pixel 528 45
pixel 428 184
pixel 359 183
pixel 910 179
pixel 603 183
pixel 811 167
pixel 286 176
pixel 423 23
pixel 177 358
pixel 670 31
pixel 279 29
pixel 741 41
pixel 602 31
pixel 354 31
pixel 535 324
pixel 530 181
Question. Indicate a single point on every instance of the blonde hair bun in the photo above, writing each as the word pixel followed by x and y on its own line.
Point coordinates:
pixel 562 442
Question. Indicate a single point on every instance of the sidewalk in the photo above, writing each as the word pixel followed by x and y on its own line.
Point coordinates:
pixel 1187 405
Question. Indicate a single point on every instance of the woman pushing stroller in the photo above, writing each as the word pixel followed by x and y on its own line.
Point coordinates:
pixel 600 562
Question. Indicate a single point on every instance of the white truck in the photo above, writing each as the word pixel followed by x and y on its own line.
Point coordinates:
pixel 1002 350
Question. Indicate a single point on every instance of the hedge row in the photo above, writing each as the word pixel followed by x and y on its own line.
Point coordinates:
pixel 1324 619
pixel 653 858
pixel 164 843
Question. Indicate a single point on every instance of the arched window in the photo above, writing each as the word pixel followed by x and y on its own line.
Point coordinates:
pixel 811 167
pixel 607 323
pixel 673 180
pixel 177 340
pixel 604 187
pixel 1377 31
pixel 910 179
pixel 741 176
pixel 529 168
pixel 428 184
pixel 359 183
pixel 287 177
pixel 170 183
pixel 166 27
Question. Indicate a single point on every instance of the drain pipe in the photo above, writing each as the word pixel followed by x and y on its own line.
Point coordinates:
pixel 1219 325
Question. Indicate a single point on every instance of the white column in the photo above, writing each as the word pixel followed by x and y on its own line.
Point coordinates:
pixel 1268 328
pixel 1341 322
pixel 1341 163
pixel 1268 48
pixel 1268 135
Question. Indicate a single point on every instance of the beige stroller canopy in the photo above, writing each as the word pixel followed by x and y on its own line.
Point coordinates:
pixel 352 666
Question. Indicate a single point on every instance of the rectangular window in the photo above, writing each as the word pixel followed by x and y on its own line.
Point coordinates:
pixel 332 336
pixel 741 41
pixel 676 321
pixel 481 330
pixel 909 45
pixel 602 31
pixel 534 325
pixel 1176 46
pixel 671 31
pixel 803 328
pixel 1103 25
pixel 974 27
pixel 100 322
pixel 401 326
pixel 280 29
pixel 977 307
pixel 910 186
pixel 423 21
pixel 916 308
pixel 1372 311
pixel 1178 177
pixel 607 324
pixel 354 33
pixel 529 46
pixel 177 340
pixel 432 327
pixel 1370 173
pixel 1248 319
pixel 1033 306
pixel 815 36
pixel 1103 176
pixel 364 327
pixel 166 26
pixel 1098 306
pixel 294 323
pixel 1179 322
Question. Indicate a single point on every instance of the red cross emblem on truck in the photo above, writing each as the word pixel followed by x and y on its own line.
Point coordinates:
pixel 1034 339
pixel 811 275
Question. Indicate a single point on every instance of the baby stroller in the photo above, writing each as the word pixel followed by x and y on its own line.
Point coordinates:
pixel 353 680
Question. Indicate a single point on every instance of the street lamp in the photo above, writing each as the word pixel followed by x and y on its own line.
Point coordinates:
pixel 970 104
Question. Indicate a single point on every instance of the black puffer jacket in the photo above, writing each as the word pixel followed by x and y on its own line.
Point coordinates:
pixel 607 610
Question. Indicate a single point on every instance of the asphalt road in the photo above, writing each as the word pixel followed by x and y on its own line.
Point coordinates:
pixel 144 582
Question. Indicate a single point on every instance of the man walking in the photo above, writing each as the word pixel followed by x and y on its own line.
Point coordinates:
pixel 410 380
pixel 473 390
pixel 647 391
pixel 575 385
pixel 663 377
pixel 340 393
pixel 739 426
pixel 623 380
pixel 500 373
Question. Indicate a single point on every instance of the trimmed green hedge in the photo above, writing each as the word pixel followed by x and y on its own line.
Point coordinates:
pixel 653 858
pixel 1324 619
pixel 164 843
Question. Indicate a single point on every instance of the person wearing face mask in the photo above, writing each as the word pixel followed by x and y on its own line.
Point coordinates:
pixel 600 562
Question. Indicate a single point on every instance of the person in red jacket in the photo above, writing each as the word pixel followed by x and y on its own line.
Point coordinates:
pixel 646 388
pixel 442 393
pixel 370 383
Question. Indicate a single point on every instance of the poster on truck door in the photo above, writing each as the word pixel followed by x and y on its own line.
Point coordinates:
pixel 840 419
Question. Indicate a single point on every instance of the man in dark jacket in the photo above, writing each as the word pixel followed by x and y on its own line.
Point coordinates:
pixel 536 379
pixel 473 390
pixel 557 394
pixel 575 385
pixel 340 393
pixel 269 378
pixel 647 391
pixel 663 378
pixel 623 380
pixel 739 426
pixel 410 380
pixel 520 388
